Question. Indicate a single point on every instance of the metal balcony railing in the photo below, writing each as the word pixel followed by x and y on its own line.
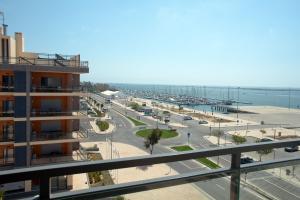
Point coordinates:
pixel 44 173
pixel 7 161
pixel 53 112
pixel 56 89
pixel 8 113
pixel 56 135
pixel 7 88
pixel 46 60
pixel 7 137
pixel 56 157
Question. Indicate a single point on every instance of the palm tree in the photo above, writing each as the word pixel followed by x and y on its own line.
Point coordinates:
pixel 152 139
pixel 263 151
pixel 218 133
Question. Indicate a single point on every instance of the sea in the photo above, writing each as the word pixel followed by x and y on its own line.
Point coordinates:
pixel 248 96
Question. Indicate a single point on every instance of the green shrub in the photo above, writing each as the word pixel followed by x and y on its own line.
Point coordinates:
pixel 238 139
pixel 103 125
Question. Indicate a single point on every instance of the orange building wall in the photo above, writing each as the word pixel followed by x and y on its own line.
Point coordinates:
pixel 37 76
pixel 36 102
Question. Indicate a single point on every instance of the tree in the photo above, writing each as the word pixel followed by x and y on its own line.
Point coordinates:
pixel 263 132
pixel 152 139
pixel 238 139
pixel 263 151
pixel 218 133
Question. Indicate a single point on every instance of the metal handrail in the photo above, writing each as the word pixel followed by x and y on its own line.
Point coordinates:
pixel 44 173
pixel 37 113
pixel 55 135
pixel 56 89
pixel 44 62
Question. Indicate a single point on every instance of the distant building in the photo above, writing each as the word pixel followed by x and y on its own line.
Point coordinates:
pixel 108 94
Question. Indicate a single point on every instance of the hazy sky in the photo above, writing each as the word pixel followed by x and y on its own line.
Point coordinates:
pixel 201 42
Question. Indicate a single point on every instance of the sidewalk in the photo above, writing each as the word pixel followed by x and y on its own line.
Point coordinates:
pixel 187 191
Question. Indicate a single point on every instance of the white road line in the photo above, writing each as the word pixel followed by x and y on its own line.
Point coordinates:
pixel 182 162
pixel 282 189
pixel 219 186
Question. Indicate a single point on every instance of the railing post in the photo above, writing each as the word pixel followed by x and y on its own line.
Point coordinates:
pixel 235 177
pixel 45 188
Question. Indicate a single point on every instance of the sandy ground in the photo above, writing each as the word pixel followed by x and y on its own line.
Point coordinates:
pixel 187 191
pixel 214 140
pixel 80 182
pixel 285 133
pixel 271 115
pixel 268 109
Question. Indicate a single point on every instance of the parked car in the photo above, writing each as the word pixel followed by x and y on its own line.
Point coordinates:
pixel 291 149
pixel 246 160
pixel 266 140
pixel 187 118
pixel 203 122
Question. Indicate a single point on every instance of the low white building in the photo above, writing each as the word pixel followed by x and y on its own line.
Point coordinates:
pixel 108 94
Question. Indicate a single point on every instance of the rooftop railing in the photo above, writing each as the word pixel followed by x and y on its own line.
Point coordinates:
pixel 44 173
pixel 46 60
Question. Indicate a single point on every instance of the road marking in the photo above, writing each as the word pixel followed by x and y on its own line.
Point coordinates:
pixel 282 189
pixel 182 162
pixel 219 186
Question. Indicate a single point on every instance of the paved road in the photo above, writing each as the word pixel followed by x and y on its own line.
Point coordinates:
pixel 218 188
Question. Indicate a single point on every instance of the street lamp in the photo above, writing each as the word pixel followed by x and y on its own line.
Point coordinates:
pixel 188 136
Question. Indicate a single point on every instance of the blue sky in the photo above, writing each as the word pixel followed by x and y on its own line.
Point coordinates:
pixel 188 42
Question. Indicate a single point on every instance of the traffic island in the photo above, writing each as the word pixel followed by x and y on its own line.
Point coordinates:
pixel 205 161
pixel 165 133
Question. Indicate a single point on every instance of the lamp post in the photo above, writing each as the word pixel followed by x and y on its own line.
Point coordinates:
pixel 188 136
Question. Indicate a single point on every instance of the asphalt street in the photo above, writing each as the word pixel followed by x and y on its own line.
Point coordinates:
pixel 217 188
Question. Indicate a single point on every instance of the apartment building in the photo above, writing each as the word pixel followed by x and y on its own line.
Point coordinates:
pixel 39 108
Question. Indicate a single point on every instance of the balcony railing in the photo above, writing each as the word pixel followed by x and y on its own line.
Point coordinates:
pixel 49 113
pixel 7 161
pixel 8 113
pixel 44 173
pixel 7 88
pixel 46 60
pixel 56 157
pixel 56 135
pixel 7 137
pixel 56 89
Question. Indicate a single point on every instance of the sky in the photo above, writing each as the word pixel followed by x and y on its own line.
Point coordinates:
pixel 182 42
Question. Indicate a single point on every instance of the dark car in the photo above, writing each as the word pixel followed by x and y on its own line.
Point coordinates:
pixel 291 149
pixel 187 118
pixel 203 122
pixel 246 160
pixel 266 140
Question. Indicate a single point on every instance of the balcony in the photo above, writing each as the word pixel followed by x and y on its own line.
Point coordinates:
pixel 53 112
pixel 7 88
pixel 7 161
pixel 40 59
pixel 7 137
pixel 44 173
pixel 58 157
pixel 56 135
pixel 56 89
pixel 7 113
